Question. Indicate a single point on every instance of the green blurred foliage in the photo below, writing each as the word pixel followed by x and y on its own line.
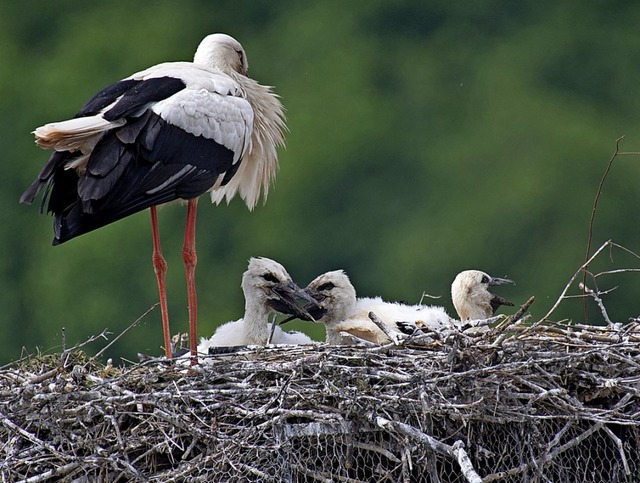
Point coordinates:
pixel 425 138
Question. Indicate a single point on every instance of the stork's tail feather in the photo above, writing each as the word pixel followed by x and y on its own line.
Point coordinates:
pixel 78 134
pixel 30 193
pixel 57 159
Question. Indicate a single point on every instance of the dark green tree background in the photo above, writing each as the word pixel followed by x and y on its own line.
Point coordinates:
pixel 425 138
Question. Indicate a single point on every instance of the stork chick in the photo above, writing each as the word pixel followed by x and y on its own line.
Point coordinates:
pixel 340 311
pixel 267 288
pixel 471 297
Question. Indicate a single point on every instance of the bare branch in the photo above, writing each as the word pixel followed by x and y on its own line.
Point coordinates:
pixel 133 324
pixel 575 275
pixel 393 336
pixel 56 472
pixel 596 297
pixel 456 451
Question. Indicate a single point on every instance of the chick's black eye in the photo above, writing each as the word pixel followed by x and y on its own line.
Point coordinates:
pixel 326 286
pixel 485 279
pixel 270 277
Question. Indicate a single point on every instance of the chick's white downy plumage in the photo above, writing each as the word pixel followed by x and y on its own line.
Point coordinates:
pixel 471 296
pixel 340 311
pixel 267 288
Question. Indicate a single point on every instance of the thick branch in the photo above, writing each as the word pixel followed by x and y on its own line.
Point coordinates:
pixel 456 451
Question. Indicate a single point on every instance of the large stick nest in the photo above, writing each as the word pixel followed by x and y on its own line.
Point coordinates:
pixel 547 402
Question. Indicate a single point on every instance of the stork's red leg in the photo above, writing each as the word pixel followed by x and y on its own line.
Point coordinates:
pixel 190 261
pixel 160 268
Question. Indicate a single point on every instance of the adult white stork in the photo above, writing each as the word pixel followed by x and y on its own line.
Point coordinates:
pixel 471 296
pixel 341 311
pixel 170 132
pixel 267 288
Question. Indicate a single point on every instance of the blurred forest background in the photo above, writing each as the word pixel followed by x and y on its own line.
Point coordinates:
pixel 426 137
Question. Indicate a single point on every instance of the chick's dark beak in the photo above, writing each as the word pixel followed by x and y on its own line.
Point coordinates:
pixel 315 295
pixel 501 281
pixel 312 311
pixel 286 298
pixel 496 300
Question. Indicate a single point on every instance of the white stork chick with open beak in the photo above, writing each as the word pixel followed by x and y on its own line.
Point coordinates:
pixel 171 132
pixel 267 288
pixel 340 311
pixel 471 296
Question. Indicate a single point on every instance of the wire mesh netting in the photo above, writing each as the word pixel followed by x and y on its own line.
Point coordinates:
pixel 538 403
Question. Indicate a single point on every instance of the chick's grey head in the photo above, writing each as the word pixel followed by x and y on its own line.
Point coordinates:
pixel 471 296
pixel 267 282
pixel 334 294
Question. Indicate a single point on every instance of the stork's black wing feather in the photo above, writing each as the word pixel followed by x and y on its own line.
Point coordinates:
pixel 135 95
pixel 157 163
pixel 142 93
pixel 145 162
pixel 106 96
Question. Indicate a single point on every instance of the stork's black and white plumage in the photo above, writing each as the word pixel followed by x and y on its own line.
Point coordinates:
pixel 170 132
pixel 471 296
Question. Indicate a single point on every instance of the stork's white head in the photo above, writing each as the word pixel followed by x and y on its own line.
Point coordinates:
pixel 471 296
pixel 267 283
pixel 222 52
pixel 335 295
